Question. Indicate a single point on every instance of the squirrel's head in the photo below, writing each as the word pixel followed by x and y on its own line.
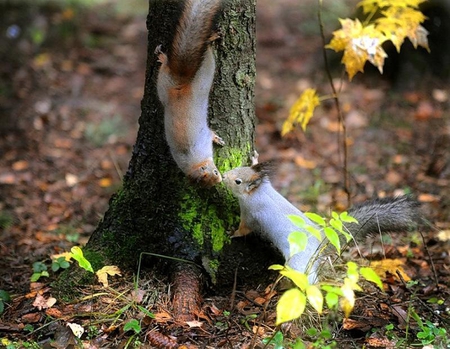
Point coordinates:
pixel 205 174
pixel 244 180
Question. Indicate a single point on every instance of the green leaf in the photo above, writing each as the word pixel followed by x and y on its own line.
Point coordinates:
pixel 347 235
pixel 55 266
pixel 277 340
pixel 133 324
pixel 332 300
pixel 316 218
pixel 333 237
pixel 352 272
pixel 2 307
pixel 336 224
pixel 4 296
pixel 290 306
pixel 38 267
pixel 345 217
pixel 315 298
pixel 370 275
pixel 297 242
pixel 146 312
pixel 314 232
pixel 297 220
pixel 77 254
pixel 332 289
pixel 35 277
pixel 298 278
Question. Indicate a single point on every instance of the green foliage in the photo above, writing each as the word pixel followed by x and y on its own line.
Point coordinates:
pixel 429 332
pixel 60 263
pixel 292 303
pixel 276 341
pixel 77 254
pixel 39 269
pixel 133 325
pixel 4 298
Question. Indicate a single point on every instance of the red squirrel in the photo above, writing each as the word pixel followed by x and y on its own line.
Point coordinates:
pixel 184 81
pixel 264 210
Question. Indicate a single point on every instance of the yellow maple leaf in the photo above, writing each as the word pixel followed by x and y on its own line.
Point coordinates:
pixel 102 274
pixel 360 44
pixel 399 23
pixel 373 5
pixel 302 111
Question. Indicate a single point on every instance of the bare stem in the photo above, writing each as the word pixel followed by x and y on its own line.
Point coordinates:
pixel 338 109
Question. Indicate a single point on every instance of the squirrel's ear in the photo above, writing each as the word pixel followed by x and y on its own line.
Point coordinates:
pixel 253 183
pixel 264 169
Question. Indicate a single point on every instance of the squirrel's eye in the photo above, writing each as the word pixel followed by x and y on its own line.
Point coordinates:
pixel 238 181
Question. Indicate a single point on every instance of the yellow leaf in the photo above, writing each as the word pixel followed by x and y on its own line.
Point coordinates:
pixel 302 111
pixel 389 265
pixel 360 44
pixel 399 23
pixel 373 5
pixel 315 298
pixel 290 306
pixel 67 256
pixel 102 274
pixel 298 278
pixel 348 300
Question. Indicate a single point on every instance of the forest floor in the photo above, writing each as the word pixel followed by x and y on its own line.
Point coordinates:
pixel 71 84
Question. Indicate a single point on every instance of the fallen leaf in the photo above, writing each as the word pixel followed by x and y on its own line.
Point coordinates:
pixel 389 265
pixel 102 274
pixel 20 165
pixel 194 324
pixel 105 182
pixel 444 235
pixel 76 329
pixel 41 302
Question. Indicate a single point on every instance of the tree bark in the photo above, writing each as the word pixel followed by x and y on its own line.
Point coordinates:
pixel 157 210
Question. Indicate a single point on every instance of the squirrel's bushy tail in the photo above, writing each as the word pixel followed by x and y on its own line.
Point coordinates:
pixel 385 215
pixel 192 37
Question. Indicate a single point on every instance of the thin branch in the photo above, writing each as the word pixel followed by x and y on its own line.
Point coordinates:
pixel 338 109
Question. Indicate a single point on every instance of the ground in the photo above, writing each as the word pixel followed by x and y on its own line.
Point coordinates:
pixel 72 81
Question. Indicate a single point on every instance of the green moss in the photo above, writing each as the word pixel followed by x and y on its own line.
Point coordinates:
pixel 197 233
pixel 96 259
pixel 218 232
pixel 235 157
pixel 213 268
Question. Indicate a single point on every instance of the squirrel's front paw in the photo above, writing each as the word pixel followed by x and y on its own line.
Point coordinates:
pixel 218 140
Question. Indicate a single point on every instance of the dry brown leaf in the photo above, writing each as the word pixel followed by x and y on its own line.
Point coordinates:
pixel 41 302
pixel 20 165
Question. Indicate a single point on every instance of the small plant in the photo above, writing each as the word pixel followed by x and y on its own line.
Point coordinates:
pixel 39 269
pixel 292 303
pixel 429 332
pixel 4 298
pixel 60 263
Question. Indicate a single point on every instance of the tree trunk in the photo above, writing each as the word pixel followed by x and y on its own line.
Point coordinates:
pixel 157 210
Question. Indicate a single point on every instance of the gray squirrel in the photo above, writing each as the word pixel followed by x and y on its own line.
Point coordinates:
pixel 184 81
pixel 264 210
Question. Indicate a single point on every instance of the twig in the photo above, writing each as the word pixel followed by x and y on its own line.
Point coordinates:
pixel 431 261
pixel 338 108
